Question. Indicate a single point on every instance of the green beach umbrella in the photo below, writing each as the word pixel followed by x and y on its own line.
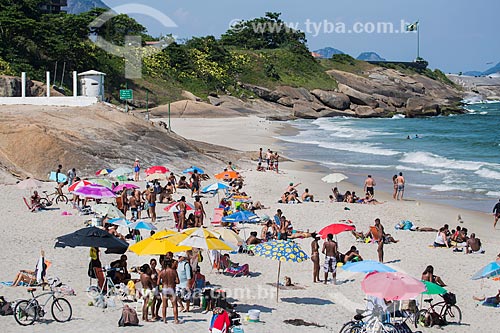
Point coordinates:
pixel 102 182
pixel 433 289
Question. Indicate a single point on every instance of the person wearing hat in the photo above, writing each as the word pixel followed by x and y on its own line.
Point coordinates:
pixel 185 273
pixel 137 169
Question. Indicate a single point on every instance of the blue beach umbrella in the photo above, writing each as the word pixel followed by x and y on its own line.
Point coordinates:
pixel 214 187
pixel 367 266
pixel 243 216
pixel 488 271
pixel 121 222
pixel 192 169
pixel 282 251
pixel 142 225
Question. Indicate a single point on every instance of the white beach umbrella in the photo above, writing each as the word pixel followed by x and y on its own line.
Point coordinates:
pixel 334 178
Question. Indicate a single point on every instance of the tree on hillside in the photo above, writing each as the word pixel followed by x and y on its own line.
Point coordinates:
pixel 268 32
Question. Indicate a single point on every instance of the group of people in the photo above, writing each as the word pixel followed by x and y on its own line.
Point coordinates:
pixel 351 197
pixel 291 195
pixel 458 239
pixel 268 161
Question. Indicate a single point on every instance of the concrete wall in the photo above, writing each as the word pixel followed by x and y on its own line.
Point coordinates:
pixel 49 101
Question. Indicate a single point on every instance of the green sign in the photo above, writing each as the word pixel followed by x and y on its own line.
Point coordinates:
pixel 126 94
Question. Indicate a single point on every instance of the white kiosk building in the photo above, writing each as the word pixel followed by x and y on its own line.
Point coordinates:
pixel 92 84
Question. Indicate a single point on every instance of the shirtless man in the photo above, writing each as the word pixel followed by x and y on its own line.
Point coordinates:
pixel 496 213
pixel 268 159
pixel 284 228
pixel 306 196
pixel 315 258
pixel 199 212
pixel 139 202
pixel 400 182
pixel 380 248
pixel 195 183
pixel 292 188
pixel 132 203
pixel 330 252
pixel 147 290
pixel 168 279
pixel 151 199
pixel 473 244
pixel 369 185
pixel 173 181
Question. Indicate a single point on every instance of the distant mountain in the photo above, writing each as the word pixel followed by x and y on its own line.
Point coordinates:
pixel 328 52
pixel 82 6
pixel 492 70
pixel 370 56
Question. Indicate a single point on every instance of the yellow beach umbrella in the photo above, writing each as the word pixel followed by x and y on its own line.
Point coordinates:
pixel 228 235
pixel 200 238
pixel 157 244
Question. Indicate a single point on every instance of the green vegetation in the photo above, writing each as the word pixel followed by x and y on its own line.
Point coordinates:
pixel 346 63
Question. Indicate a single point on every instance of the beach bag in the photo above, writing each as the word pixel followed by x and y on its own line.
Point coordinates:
pixel 129 317
pixel 5 307
pixel 408 225
pixel 450 298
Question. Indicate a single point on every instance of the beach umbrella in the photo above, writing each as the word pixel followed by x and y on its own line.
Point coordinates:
pixel 101 182
pixel 94 191
pixel 29 184
pixel 228 235
pixel 121 221
pixel 107 210
pixel 392 286
pixel 156 169
pixel 173 207
pixel 156 176
pixel 242 216
pixel 433 289
pixel 335 229
pixel 93 237
pixel 214 187
pixel 227 175
pixel 367 266
pixel 192 169
pixel 157 244
pixel 142 225
pixel 334 178
pixel 78 184
pixel 122 187
pixel 488 271
pixel 103 172
pixel 282 251
pixel 200 238
pixel 121 171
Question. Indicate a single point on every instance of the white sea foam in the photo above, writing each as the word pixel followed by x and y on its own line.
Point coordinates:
pixel 398 116
pixel 345 129
pixel 445 188
pixel 493 194
pixel 357 166
pixel 487 173
pixel 436 161
pixel 365 148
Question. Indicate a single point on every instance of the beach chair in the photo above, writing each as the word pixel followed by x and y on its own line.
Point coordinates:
pixel 217 219
pixel 234 269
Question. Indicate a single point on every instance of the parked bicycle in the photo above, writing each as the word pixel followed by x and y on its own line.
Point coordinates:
pixel 48 199
pixel 107 289
pixel 26 312
pixel 369 323
pixel 441 313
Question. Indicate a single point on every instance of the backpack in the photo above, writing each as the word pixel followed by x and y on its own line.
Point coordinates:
pixel 5 307
pixel 129 317
pixel 450 298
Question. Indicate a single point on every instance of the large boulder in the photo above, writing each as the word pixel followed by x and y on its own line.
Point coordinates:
pixel 332 99
pixel 306 110
pixel 10 86
pixel 190 96
pixel 262 92
pixel 364 111
pixel 294 93
pixel 357 97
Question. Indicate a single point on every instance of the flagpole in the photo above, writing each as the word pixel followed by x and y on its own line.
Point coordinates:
pixel 418 40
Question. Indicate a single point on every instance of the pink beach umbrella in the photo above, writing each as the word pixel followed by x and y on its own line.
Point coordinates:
pixel 173 207
pixel 156 169
pixel 335 229
pixel 122 187
pixel 94 191
pixel 392 286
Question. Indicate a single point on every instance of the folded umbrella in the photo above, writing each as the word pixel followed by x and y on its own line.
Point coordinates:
pixel 488 271
pixel 192 169
pixel 93 237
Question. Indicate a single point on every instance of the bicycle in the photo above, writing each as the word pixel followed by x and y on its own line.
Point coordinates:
pixel 49 199
pixel 108 288
pixel 27 311
pixel 448 313
pixel 372 325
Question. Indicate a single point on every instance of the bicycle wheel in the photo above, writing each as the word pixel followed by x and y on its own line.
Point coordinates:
pixel 452 314
pixel 45 202
pixel 25 313
pixel 388 328
pixel 423 318
pixel 61 310
pixel 352 327
pixel 61 199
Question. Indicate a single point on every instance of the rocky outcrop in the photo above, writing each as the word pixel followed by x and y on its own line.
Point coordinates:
pixel 332 99
pixel 10 86
pixel 190 96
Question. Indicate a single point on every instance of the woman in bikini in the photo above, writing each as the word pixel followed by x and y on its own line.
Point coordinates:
pixel 199 212
pixel 428 275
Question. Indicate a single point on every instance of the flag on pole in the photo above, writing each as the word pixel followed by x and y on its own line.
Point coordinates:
pixel 412 27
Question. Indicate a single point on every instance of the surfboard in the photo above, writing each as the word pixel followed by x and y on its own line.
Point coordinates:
pixel 61 177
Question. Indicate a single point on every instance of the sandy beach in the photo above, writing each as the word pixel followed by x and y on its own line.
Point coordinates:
pixel 329 306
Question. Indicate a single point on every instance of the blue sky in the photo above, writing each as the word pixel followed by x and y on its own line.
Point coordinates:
pixel 455 35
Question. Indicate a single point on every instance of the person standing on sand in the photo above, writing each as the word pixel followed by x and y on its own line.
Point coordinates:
pixel 380 240
pixel 58 171
pixel 260 155
pixel 151 199
pixel 395 186
pixel 400 181
pixel 71 176
pixel 369 185
pixel 268 159
pixel 315 258
pixel 168 279
pixel 137 169
pixel 330 252
pixel 276 161
pixel 496 213
pixel 199 212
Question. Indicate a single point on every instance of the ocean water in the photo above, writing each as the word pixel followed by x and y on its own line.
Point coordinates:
pixel 455 160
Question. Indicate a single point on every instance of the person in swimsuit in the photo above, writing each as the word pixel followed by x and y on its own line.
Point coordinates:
pixel 268 159
pixel 496 213
pixel 195 183
pixel 151 200
pixel 315 258
pixel 137 169
pixel 400 181
pixel 260 155
pixel 199 212
pixel 330 252
pixel 168 279
pixel 155 305
pixel 428 275
pixel 147 290
pixel 276 161
pixel 173 181
pixel 369 185
pixel 395 186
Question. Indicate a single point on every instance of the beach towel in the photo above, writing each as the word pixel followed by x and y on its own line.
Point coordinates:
pixel 10 283
pixel 41 269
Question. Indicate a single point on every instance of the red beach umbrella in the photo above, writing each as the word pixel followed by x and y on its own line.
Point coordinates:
pixel 78 184
pixel 156 169
pixel 335 229
pixel 173 207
